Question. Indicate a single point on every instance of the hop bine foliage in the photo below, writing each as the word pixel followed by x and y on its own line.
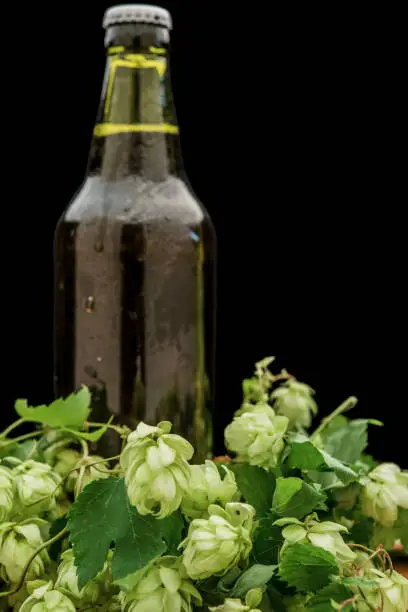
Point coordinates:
pixel 157 471
pixel 294 521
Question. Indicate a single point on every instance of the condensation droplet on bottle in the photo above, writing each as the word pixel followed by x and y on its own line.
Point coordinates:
pixel 99 359
pixel 98 246
pixel 90 304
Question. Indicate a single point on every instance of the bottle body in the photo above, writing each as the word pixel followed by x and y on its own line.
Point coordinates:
pixel 134 304
pixel 135 260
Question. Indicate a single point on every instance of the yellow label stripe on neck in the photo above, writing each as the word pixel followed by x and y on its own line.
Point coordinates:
pixel 107 129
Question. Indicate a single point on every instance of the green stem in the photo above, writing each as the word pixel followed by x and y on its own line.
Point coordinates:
pixel 344 407
pixel 10 428
pixel 82 469
pixel 26 436
pixel 117 428
pixel 20 583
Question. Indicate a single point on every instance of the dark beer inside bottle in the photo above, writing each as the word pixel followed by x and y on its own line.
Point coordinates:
pixel 135 256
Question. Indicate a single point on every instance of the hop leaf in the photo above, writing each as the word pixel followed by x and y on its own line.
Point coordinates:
pixel 156 467
pixel 214 545
pixel 308 568
pixel 295 401
pixel 257 436
pixel 18 541
pixel 384 491
pixel 206 487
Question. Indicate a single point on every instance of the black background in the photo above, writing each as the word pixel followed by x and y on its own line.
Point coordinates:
pixel 290 122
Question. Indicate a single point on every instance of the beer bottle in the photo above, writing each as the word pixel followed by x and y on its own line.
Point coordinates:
pixel 135 252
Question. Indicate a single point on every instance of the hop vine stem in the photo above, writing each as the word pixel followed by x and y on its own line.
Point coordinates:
pixel 10 428
pixel 344 407
pixel 44 545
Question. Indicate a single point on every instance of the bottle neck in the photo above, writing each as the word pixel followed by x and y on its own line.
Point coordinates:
pixel 136 131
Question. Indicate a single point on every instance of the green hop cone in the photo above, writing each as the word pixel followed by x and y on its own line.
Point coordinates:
pixel 388 593
pixel 44 598
pixel 257 437
pixel 325 535
pixel 295 401
pixel 36 487
pixel 215 545
pixel 18 541
pixel 157 471
pixel 207 487
pixel 384 491
pixel 162 586
pixel 252 599
pixel 95 469
pixel 66 460
pixel 95 591
pixel 6 493
pixel 295 603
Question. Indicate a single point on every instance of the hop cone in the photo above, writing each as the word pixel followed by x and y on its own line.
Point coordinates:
pixel 325 535
pixel 206 488
pixel 17 544
pixel 36 487
pixel 215 545
pixel 95 591
pixel 6 493
pixel 388 593
pixel 257 436
pixel 92 472
pixel 156 467
pixel 44 598
pixel 385 489
pixel 163 587
pixel 252 599
pixel 295 401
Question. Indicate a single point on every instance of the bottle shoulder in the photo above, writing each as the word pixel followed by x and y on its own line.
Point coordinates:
pixel 134 200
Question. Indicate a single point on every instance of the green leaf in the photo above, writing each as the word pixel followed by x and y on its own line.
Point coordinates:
pixel 70 412
pixel 171 529
pixel 102 516
pixel 256 485
pixel 256 576
pixel 307 568
pixel 267 541
pixel 362 530
pixel 294 497
pixel 346 439
pixel 21 450
pixel 305 456
pixel 333 592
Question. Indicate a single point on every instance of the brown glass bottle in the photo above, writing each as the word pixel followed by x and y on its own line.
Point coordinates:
pixel 135 253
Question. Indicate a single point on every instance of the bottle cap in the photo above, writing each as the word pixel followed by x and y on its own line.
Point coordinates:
pixel 137 13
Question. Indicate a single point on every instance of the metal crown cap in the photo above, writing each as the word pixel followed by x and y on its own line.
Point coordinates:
pixel 137 13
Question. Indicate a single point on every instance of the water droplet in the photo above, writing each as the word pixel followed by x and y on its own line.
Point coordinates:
pixel 98 246
pixel 99 359
pixel 90 304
